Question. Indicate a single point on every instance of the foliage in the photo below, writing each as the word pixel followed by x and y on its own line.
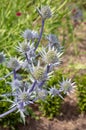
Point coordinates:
pixel 11 25
pixel 51 106
pixel 11 120
pixel 81 92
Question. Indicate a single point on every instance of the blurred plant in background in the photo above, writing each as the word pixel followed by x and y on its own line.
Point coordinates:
pixel 81 92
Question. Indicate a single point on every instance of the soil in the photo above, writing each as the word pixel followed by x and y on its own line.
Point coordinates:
pixel 70 118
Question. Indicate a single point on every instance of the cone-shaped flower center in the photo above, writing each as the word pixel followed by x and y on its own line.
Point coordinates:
pixel 25 47
pixel 46 12
pixel 38 73
pixel 13 64
pixel 67 87
pixel 51 57
pixel 24 97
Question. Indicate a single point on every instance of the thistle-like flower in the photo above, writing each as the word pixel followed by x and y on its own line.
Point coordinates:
pixel 41 93
pixel 54 91
pixel 66 86
pixel 21 99
pixel 51 56
pixel 26 66
pixel 38 72
pixel 52 39
pixel 23 96
pixel 16 84
pixel 30 34
pixel 25 47
pixel 27 34
pixel 45 12
pixel 14 64
pixel 34 35
pixel 2 57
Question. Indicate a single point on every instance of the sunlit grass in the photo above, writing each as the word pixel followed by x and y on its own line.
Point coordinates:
pixel 11 26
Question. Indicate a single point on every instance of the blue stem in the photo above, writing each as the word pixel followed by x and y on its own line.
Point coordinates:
pixel 48 68
pixel 14 73
pixel 41 83
pixel 27 58
pixel 40 36
pixel 32 88
pixel 8 112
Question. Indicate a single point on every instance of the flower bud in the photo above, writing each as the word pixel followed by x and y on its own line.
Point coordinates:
pixel 39 73
pixel 45 12
pixel 13 64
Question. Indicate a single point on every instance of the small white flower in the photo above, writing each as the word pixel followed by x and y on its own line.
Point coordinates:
pixel 67 86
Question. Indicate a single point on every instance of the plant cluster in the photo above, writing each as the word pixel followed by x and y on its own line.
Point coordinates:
pixel 81 92
pixel 37 66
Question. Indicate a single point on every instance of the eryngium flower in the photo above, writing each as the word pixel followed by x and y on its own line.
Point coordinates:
pixel 26 66
pixel 51 56
pixel 45 12
pixel 52 38
pixel 38 72
pixel 30 34
pixel 53 41
pixel 13 64
pixel 34 35
pixel 16 84
pixel 41 93
pixel 2 57
pixel 25 47
pixel 24 96
pixel 27 34
pixel 67 86
pixel 54 91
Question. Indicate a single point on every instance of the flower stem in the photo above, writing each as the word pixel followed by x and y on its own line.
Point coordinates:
pixel 14 73
pixel 40 36
pixel 32 88
pixel 8 112
pixel 27 58
pixel 6 75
